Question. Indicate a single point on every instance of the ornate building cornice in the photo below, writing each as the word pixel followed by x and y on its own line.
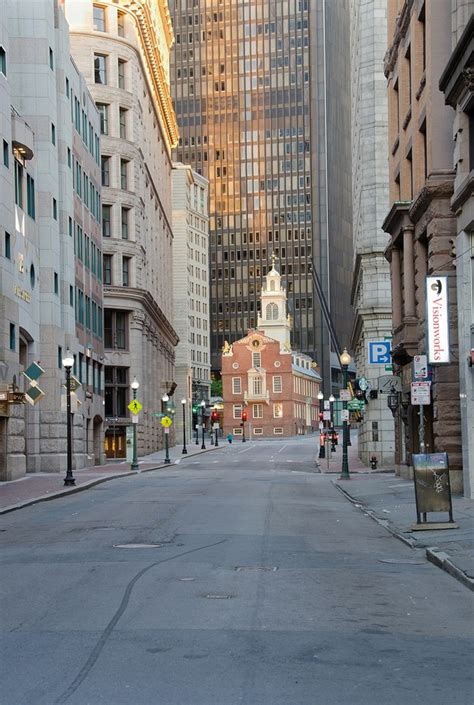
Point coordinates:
pixel 150 306
pixel 142 12
pixel 401 28
pixel 430 192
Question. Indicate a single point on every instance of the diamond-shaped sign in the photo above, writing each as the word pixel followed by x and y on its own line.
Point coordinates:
pixel 33 372
pixel 135 406
pixel 74 384
pixel 33 395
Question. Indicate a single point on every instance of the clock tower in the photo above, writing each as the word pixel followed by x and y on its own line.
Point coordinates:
pixel 274 320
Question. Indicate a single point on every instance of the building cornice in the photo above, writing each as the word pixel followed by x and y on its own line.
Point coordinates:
pixel 401 27
pixel 142 13
pixel 458 76
pixel 441 187
pixel 149 304
pixel 396 217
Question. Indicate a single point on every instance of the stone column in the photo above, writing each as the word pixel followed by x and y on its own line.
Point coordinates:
pixel 408 272
pixel 396 289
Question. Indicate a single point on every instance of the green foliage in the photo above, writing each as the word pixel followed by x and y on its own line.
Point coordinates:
pixel 216 388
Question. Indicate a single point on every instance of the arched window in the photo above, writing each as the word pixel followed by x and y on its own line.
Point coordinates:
pixel 272 285
pixel 272 312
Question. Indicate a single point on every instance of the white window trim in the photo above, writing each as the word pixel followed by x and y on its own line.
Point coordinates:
pixel 237 411
pixel 277 391
pixel 260 408
pixel 234 381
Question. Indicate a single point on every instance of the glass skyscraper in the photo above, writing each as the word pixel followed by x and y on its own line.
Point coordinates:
pixel 261 93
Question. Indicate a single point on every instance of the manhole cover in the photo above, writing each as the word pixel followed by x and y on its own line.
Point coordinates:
pixel 402 561
pixel 217 596
pixel 138 545
pixel 255 568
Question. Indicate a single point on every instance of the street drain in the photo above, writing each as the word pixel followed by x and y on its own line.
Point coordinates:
pixel 255 568
pixel 216 596
pixel 138 545
pixel 402 561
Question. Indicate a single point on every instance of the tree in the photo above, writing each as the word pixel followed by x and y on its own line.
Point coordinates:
pixel 216 388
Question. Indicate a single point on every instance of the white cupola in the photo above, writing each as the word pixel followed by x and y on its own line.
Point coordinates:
pixel 273 319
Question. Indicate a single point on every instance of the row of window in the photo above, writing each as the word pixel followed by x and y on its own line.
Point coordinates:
pixel 101 20
pixel 87 252
pixel 257 383
pixel 125 167
pixel 87 371
pixel 104 110
pixel 85 188
pixel 88 313
pixel 257 411
pixel 20 173
pixel 278 431
pixel 82 124
pixel 125 220
pixel 109 270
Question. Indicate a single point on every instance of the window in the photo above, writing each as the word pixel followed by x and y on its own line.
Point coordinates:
pixel 257 386
pixel 123 123
pixel 121 24
pixel 100 69
pixel 106 221
pixel 117 391
pixel 278 411
pixel 115 329
pixel 121 73
pixel 103 109
pixel 278 431
pixel 71 295
pixel 105 170
pixel 277 383
pixel 56 283
pixel 12 336
pixel 99 18
pixel 108 269
pixel 257 411
pixel 124 174
pixel 256 359
pixel 51 59
pixel 30 196
pixel 18 184
pixel 6 155
pixel 258 431
pixel 236 385
pixel 237 431
pixel 237 411
pixel 8 245
pixel 272 310
pixel 53 133
pixel 3 61
pixel 126 271
pixel 55 209
pixel 125 214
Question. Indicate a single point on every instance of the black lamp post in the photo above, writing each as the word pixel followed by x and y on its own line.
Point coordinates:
pixel 183 404
pixel 345 359
pixel 68 362
pixel 332 399
pixel 134 465
pixel 215 415
pixel 165 399
pixel 203 406
pixel 322 448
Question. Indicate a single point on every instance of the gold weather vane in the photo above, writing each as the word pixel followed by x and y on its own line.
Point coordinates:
pixel 273 260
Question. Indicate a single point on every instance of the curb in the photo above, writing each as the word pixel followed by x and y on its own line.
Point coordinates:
pixel 87 485
pixel 438 558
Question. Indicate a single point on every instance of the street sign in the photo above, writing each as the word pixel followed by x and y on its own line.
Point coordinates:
pixel 16 397
pixel 327 405
pixel 135 406
pixel 74 384
pixel 379 352
pixel 216 426
pixel 33 395
pixel 166 422
pixel 3 396
pixel 420 393
pixel 420 367
pixel 387 383
pixel 363 384
pixel 326 415
pixel 134 418
pixel 345 395
pixel 356 405
pixel 345 415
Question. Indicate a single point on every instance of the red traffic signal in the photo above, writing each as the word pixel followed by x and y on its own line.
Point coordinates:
pixel 244 416
pixel 214 416
pixel 321 416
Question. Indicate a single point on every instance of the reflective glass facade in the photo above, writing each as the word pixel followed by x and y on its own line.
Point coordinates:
pixel 244 87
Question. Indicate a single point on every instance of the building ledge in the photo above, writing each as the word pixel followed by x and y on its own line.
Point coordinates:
pixel 463 192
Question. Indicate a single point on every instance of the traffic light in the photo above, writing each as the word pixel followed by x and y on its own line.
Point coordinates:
pixel 214 416
pixel 244 416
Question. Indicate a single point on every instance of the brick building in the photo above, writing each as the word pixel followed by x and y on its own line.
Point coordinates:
pixel 261 376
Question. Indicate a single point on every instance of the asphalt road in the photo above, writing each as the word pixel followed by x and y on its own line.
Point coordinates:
pixel 237 577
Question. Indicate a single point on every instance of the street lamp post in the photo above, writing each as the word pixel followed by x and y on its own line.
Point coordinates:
pixel 68 362
pixel 215 415
pixel 165 399
pixel 134 465
pixel 345 359
pixel 183 403
pixel 332 399
pixel 322 447
pixel 203 406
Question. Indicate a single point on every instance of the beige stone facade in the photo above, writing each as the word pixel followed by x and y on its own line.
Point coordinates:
pixel 122 48
pixel 457 84
pixel 420 222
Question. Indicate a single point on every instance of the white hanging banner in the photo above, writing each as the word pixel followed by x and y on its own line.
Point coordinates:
pixel 437 315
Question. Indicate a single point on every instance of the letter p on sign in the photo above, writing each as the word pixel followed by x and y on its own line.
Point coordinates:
pixel 379 352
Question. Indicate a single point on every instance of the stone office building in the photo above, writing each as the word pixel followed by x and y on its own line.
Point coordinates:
pixel 420 222
pixel 122 48
pixel 50 154
pixel 457 84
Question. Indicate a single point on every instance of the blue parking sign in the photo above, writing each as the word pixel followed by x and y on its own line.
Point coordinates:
pixel 379 352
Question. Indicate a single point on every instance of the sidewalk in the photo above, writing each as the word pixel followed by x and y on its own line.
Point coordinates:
pixel 390 501
pixel 40 487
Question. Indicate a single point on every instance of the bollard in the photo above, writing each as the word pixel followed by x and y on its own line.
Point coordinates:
pixel 373 463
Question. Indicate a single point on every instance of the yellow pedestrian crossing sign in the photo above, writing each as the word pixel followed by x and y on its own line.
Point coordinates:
pixel 135 406
pixel 166 421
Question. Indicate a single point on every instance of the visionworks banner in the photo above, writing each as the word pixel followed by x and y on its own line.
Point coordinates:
pixel 438 320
